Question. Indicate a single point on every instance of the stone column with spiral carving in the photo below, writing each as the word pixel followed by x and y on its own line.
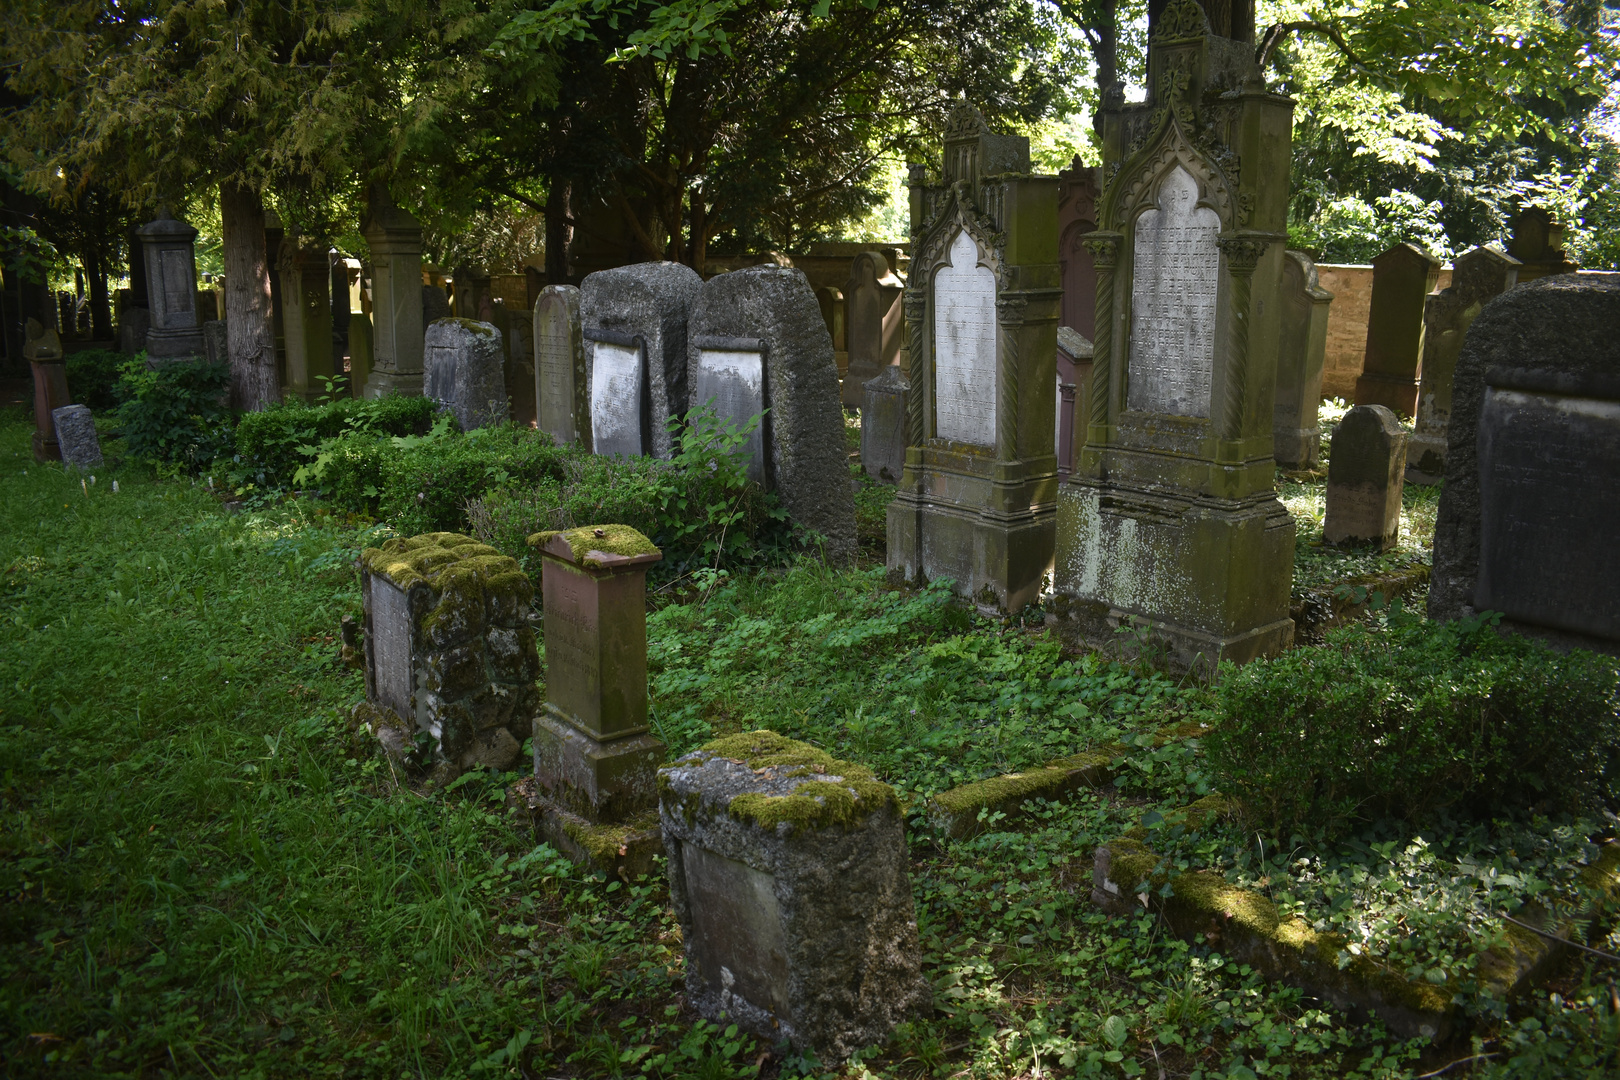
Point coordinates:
pixel 1009 320
pixel 916 306
pixel 1242 256
pixel 1104 248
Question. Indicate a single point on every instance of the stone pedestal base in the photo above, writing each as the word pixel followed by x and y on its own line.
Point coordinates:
pixel 1297 448
pixel 1398 393
pixel 985 524
pixel 1208 578
pixel 623 851
pixel 174 343
pixel 602 782
pixel 382 383
pixel 1426 458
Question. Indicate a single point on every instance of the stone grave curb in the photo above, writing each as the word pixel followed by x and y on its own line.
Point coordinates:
pixel 1527 958
pixel 1320 609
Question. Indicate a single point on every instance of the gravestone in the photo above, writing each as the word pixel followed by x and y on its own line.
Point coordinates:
pixel 216 342
pixel 359 353
pixel 1366 474
pixel 883 426
pixel 76 436
pixel 394 239
pixel 757 341
pixel 306 318
pixel 42 349
pixel 273 235
pixel 171 288
pixel 516 325
pixel 1479 275
pixel 976 500
pixel 633 321
pixel 1537 241
pixel 133 323
pixel 463 369
pixel 1402 277
pixel 874 322
pixel 1531 501
pixel 560 385
pixel 832 313
pixel 594 756
pixel 788 874
pixel 207 306
pixel 1079 188
pixel 1301 352
pixel 1170 521
pixel 1074 358
pixel 435 305
pixel 448 648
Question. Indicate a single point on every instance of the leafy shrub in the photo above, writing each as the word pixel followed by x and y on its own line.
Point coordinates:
pixel 177 413
pixel 273 444
pixel 1413 720
pixel 93 378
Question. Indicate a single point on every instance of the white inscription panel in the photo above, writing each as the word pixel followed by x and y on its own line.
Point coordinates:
pixel 554 347
pixel 1177 267
pixel 616 391
pixel 735 382
pixel 965 347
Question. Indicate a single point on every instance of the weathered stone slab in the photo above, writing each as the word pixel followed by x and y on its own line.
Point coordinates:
pixel 634 325
pixel 1402 277
pixel 1366 474
pixel 76 436
pixel 883 426
pixel 1079 188
pixel 360 353
pixel 448 647
pixel 1301 352
pixel 965 346
pixel 874 322
pixel 216 343
pixel 464 369
pixel 394 239
pixel 171 287
pixel 1075 356
pixel 788 873
pixel 1172 355
pixel 561 389
pixel 766 319
pixel 435 304
pixel 1538 244
pixel 1531 501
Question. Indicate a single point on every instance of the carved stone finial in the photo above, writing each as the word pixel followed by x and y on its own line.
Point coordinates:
pixel 965 122
pixel 1181 20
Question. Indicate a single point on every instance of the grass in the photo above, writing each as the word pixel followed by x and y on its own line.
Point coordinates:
pixel 206 874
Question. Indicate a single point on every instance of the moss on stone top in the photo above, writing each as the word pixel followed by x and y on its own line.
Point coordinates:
pixel 433 559
pixel 473 325
pixel 846 798
pixel 615 540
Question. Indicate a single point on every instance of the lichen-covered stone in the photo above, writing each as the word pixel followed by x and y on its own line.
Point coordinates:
pixel 464 369
pixel 608 539
pixel 648 302
pixel 788 873
pixel 448 647
pixel 76 435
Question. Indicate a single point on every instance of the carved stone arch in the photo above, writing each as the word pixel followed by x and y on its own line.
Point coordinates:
pixel 1150 167
pixel 960 215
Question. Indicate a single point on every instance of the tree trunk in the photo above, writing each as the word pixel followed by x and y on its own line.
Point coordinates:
pixel 100 310
pixel 251 342
pixel 559 229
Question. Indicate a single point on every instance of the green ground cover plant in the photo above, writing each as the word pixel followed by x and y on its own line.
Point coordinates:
pixel 272 445
pixel 176 414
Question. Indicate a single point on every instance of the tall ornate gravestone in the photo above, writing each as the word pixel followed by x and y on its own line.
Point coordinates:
pixel 359 353
pixel 1170 518
pixel 1538 243
pixel 463 369
pixel 633 320
pixel 1402 277
pixel 171 288
pixel 874 322
pixel 756 342
pixel 976 502
pixel 1531 502
pixel 1301 351
pixel 1079 187
pixel 1479 275
pixel 594 756
pixel 42 349
pixel 395 240
pixel 561 388
pixel 306 275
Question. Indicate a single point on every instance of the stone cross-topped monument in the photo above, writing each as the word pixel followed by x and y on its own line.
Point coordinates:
pixel 976 500
pixel 1170 518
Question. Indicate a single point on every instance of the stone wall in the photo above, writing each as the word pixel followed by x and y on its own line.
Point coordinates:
pixel 1351 286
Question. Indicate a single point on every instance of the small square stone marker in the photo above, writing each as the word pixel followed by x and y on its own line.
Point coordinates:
pixel 787 870
pixel 1366 475
pixel 448 647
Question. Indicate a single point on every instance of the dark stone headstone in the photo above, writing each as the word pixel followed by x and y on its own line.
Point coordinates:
pixel 133 324
pixel 1079 187
pixel 883 426
pixel 1531 502
pixel 1301 352
pixel 463 369
pixel 561 387
pixel 435 304
pixel 874 321
pixel 1538 243
pixel 76 436
pixel 216 343
pixel 1402 277
pixel 634 327
pixel 1366 474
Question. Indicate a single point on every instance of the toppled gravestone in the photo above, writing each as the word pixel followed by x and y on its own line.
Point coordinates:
pixel 76 435
pixel 448 650
pixel 464 369
pixel 787 869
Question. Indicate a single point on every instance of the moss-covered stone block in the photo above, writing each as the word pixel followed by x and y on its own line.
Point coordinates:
pixel 788 873
pixel 956 813
pixel 448 646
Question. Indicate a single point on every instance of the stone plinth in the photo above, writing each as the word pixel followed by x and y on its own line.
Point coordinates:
pixel 1301 351
pixel 561 387
pixel 593 756
pixel 42 349
pixel 306 318
pixel 448 646
pixel 977 500
pixel 171 287
pixel 874 322
pixel 883 426
pixel 1479 275
pixel 464 370
pixel 633 321
pixel 1170 521
pixel 394 239
pixel 756 341
pixel 1531 502
pixel 1402 277
pixel 1366 474
pixel 788 873
pixel 76 436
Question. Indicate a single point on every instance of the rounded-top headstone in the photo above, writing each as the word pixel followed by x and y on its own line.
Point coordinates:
pixel 1366 475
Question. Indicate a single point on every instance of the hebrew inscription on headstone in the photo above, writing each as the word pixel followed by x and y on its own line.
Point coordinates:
pixel 1177 263
pixel 1549 470
pixel 617 390
pixel 965 347
pixel 179 291
pixel 556 337
pixel 731 373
